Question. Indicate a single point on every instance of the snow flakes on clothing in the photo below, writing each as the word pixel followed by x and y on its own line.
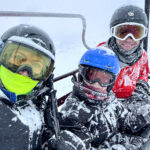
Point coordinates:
pixel 30 117
pixel 73 111
pixel 123 142
pixel 97 122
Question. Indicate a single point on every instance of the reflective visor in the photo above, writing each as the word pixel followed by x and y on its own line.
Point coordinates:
pixel 19 57
pixel 134 30
pixel 92 75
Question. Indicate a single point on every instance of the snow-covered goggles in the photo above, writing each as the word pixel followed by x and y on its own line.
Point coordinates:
pixel 92 75
pixel 135 30
pixel 21 54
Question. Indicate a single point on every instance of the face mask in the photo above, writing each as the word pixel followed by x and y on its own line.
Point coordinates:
pixel 15 82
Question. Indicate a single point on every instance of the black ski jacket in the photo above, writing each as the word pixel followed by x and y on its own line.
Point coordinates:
pixel 20 126
pixel 102 126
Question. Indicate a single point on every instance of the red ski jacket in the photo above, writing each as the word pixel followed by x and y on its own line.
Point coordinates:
pixel 129 75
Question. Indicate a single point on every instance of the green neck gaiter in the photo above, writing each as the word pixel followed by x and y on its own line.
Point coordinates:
pixel 15 82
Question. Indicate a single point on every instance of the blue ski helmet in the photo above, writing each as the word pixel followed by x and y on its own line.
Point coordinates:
pixel 102 58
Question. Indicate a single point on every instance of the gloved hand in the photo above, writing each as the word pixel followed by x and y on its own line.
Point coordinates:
pixel 60 144
pixel 145 112
pixel 141 91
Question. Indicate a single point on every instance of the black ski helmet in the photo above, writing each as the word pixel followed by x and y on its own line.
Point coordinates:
pixel 129 13
pixel 35 34
pixel 39 37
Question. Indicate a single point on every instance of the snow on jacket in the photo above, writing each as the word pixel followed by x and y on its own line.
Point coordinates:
pixel 20 126
pixel 130 75
pixel 96 124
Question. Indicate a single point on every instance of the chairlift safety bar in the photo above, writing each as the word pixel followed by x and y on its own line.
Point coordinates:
pixel 44 14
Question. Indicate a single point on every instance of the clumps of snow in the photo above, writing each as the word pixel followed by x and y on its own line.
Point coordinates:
pixel 9 125
pixel 14 119
pixel 71 102
pixel 127 80
pixel 75 138
pixel 30 117
pixel 82 106
pixel 108 51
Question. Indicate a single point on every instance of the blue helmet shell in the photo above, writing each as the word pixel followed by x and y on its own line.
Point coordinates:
pixel 102 58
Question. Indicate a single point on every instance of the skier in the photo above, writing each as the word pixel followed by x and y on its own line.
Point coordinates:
pixel 91 117
pixel 26 63
pixel 128 29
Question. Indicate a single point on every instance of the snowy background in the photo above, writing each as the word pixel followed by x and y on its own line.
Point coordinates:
pixel 66 33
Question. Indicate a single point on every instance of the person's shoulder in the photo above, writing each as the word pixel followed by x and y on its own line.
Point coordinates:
pixel 101 44
pixel 2 95
pixel 144 53
pixel 144 57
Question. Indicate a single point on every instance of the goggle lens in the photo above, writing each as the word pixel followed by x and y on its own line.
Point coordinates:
pixel 92 75
pixel 134 30
pixel 19 57
pixel 124 30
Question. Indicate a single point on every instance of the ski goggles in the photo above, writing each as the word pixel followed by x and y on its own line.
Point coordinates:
pixel 21 54
pixel 92 75
pixel 135 30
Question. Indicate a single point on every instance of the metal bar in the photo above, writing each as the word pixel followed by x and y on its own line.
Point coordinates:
pixel 42 14
pixel 62 99
pixel 65 75
pixel 147 11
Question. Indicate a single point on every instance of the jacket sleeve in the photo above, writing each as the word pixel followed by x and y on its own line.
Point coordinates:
pixel 142 88
pixel 73 131
pixel 144 69
pixel 123 142
pixel 137 116
pixel 132 120
pixel 141 91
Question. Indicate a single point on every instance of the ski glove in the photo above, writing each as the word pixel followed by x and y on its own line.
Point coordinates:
pixel 141 91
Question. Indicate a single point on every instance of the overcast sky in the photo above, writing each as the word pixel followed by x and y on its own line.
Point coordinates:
pixel 96 12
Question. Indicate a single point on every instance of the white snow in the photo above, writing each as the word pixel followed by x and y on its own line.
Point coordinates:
pixel 31 43
pixel 31 117
pixel 14 119
pixel 108 51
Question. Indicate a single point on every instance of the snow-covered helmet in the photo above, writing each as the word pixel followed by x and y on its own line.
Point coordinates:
pixel 129 13
pixel 33 33
pixel 32 41
pixel 33 37
pixel 98 65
